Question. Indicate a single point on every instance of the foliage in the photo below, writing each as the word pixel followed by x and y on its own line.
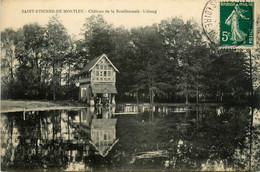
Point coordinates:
pixel 168 61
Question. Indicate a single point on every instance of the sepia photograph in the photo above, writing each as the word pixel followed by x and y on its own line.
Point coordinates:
pixel 141 85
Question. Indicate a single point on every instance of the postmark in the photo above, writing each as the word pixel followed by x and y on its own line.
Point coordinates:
pixel 210 21
pixel 229 24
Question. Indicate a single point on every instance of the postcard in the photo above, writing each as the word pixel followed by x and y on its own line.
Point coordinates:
pixel 141 85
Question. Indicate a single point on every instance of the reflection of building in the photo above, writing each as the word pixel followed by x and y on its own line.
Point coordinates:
pixel 103 135
pixel 104 112
pixel 97 80
pixel 131 108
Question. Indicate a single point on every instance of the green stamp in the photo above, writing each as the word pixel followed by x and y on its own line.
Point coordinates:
pixel 237 24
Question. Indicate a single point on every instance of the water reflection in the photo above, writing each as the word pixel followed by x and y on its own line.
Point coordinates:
pixel 132 137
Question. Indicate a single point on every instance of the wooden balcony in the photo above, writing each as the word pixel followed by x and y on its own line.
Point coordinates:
pixel 84 80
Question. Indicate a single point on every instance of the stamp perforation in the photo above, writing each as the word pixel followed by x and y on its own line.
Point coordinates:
pixel 236 24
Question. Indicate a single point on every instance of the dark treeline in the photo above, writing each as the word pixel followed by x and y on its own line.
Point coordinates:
pixel 165 62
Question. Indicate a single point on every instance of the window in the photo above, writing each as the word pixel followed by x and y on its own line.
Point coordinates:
pixel 103 72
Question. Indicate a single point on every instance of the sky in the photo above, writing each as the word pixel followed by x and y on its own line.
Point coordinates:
pixel 16 13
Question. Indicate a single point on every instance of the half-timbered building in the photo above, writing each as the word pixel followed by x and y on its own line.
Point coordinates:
pixel 97 81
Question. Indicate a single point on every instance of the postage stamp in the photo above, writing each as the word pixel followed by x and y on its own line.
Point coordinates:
pixel 237 23
pixel 230 23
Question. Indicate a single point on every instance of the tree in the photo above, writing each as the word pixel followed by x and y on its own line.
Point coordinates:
pixel 7 60
pixel 187 52
pixel 122 57
pixel 30 60
pixel 58 44
pixel 97 36
pixel 228 75
pixel 149 60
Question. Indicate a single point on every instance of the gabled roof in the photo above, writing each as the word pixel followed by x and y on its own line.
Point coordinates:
pixel 104 150
pixel 94 62
pixel 103 124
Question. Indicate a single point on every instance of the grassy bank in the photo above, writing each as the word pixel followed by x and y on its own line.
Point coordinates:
pixel 20 105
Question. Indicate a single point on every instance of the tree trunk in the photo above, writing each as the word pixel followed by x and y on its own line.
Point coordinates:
pixel 68 82
pixel 197 96
pixel 137 98
pixel 11 61
pixel 151 94
pixel 53 124
pixel 53 81
pixel 186 98
pixel 186 90
pixel 12 73
pixel 60 75
pixel 186 93
pixel 69 74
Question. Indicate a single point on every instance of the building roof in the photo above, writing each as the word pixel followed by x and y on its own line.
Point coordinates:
pixel 104 88
pixel 103 125
pixel 105 149
pixel 94 62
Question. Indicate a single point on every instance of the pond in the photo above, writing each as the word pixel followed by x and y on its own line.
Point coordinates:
pixel 132 137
